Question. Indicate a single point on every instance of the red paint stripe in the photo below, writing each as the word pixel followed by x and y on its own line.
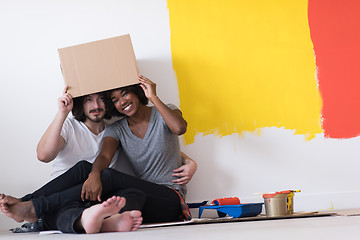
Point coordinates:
pixel 335 33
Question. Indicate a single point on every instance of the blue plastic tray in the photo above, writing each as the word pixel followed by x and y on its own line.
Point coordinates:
pixel 236 211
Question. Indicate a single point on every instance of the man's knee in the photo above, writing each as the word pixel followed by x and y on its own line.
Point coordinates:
pixel 81 170
pixel 83 165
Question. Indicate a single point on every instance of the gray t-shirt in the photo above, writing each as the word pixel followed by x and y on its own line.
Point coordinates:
pixel 156 156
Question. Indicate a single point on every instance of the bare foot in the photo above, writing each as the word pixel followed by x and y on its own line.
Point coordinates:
pixel 7 199
pixel 21 211
pixel 92 218
pixel 124 222
pixel 2 198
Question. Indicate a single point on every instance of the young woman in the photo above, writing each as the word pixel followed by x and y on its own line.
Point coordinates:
pixel 149 137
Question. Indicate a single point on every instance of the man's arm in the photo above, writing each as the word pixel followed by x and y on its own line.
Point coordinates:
pixel 51 143
pixel 186 171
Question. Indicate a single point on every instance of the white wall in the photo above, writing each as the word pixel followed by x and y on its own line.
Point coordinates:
pixel 32 31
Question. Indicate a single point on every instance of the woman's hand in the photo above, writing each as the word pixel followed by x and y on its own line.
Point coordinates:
pixel 172 118
pixel 92 188
pixel 148 86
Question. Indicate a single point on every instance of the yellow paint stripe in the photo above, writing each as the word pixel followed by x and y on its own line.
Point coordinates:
pixel 244 65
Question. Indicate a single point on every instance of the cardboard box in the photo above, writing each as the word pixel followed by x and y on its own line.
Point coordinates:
pixel 98 66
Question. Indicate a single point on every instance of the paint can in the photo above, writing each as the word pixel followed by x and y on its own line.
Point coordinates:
pixel 290 200
pixel 276 204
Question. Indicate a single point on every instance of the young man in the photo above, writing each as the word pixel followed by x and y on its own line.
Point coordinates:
pixel 68 140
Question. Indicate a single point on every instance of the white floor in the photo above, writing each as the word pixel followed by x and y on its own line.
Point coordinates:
pixel 333 227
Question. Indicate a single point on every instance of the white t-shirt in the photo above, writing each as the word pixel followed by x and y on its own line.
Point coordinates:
pixel 81 144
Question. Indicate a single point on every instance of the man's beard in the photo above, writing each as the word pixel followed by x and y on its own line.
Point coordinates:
pixel 95 118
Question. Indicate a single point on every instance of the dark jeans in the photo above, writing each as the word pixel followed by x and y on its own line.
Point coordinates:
pixel 162 204
pixel 66 218
pixel 72 177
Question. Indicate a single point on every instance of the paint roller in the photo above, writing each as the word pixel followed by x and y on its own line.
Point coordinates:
pixel 226 201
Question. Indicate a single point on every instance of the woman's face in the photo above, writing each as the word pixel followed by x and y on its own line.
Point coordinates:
pixel 126 103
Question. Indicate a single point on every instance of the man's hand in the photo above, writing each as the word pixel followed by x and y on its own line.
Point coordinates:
pixel 65 102
pixel 92 188
pixel 185 173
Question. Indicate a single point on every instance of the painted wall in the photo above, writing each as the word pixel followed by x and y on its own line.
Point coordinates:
pixel 249 84
pixel 271 88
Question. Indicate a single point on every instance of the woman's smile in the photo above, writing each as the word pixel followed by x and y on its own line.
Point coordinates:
pixel 127 108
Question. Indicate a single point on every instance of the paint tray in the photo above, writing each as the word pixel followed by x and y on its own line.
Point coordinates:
pixel 235 211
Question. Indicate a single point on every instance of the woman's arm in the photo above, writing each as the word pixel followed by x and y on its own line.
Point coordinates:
pixel 172 118
pixel 186 171
pixel 92 187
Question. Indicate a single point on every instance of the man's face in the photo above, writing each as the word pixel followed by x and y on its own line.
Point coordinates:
pixel 94 107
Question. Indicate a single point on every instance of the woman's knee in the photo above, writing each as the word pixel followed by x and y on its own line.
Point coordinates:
pixel 107 172
pixel 107 176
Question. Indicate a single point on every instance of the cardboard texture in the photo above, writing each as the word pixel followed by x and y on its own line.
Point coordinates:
pixel 99 66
